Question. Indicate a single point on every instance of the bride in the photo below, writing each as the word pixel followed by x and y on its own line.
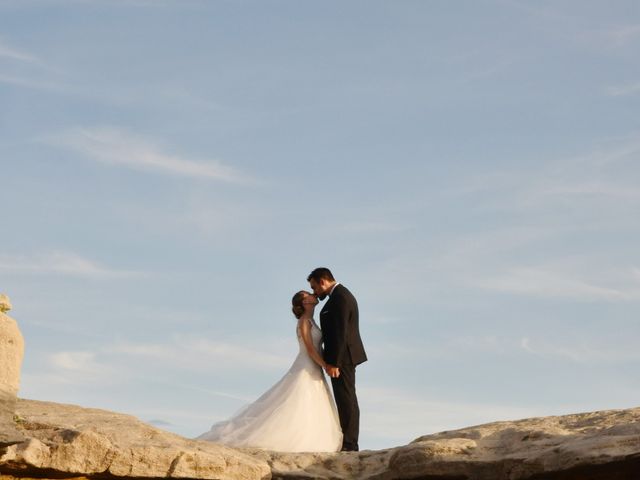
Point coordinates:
pixel 297 414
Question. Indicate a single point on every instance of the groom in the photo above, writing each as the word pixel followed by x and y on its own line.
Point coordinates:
pixel 343 349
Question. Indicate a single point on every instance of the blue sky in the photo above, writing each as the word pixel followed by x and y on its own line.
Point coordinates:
pixel 172 171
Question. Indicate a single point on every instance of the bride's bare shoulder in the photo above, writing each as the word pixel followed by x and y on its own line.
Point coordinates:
pixel 304 324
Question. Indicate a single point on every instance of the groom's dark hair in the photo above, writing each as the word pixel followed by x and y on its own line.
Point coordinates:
pixel 320 273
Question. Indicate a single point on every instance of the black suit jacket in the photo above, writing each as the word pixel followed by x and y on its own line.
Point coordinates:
pixel 340 329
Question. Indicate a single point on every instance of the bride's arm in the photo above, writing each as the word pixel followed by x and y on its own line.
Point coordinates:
pixel 305 331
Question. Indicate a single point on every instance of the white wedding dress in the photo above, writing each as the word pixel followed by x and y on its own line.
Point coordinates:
pixel 297 414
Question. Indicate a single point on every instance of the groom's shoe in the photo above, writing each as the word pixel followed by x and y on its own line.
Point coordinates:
pixel 348 448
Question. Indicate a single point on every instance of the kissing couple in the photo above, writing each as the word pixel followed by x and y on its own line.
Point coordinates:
pixel 299 414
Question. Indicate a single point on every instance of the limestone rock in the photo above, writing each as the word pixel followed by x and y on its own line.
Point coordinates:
pixel 9 434
pixel 591 446
pixel 11 353
pixel 67 440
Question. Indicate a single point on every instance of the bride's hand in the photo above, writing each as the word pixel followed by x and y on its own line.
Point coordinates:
pixel 333 372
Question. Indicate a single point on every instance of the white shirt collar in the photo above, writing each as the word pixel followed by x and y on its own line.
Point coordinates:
pixel 333 288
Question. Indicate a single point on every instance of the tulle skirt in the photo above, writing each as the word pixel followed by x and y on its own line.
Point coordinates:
pixel 297 414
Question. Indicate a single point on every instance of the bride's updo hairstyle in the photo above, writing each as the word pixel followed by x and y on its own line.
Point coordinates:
pixel 296 303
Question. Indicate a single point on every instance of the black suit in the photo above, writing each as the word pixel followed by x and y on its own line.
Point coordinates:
pixel 343 348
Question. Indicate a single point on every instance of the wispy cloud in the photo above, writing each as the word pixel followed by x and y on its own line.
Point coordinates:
pixel 185 352
pixel 36 74
pixel 584 352
pixel 403 416
pixel 117 147
pixel 63 263
pixel 492 261
pixel 624 34
pixel 546 257
pixel 13 53
pixel 32 84
pixel 28 78
pixel 548 282
pixel 68 368
pixel 441 349
pixel 177 357
pixel 507 267
pixel 595 173
pixel 604 189
pixel 623 90
pixel 605 177
pixel 574 26
pixel 78 361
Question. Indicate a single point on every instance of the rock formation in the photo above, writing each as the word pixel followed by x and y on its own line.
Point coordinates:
pixel 591 446
pixel 66 441
pixel 11 352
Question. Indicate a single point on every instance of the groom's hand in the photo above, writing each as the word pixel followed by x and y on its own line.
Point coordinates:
pixel 333 372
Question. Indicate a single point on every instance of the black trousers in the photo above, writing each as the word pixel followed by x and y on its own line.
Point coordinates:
pixel 344 391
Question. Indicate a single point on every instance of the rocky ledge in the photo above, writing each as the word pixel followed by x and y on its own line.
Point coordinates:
pixel 66 441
